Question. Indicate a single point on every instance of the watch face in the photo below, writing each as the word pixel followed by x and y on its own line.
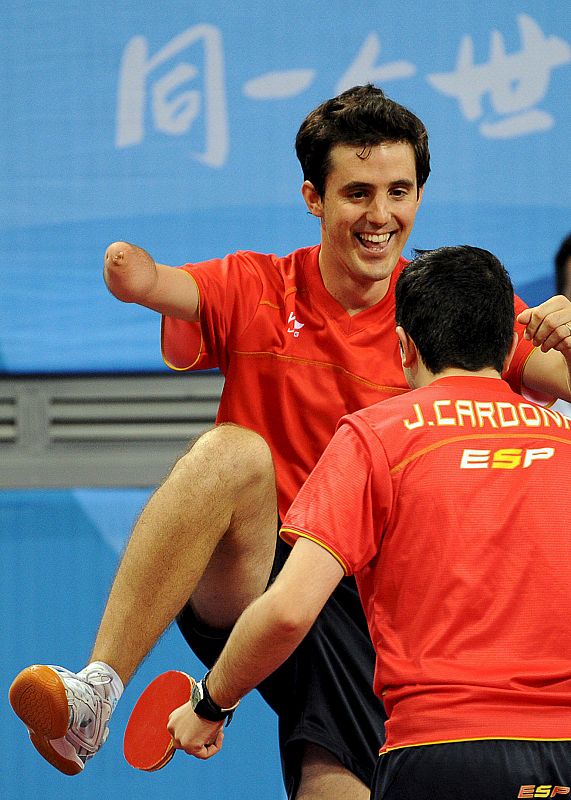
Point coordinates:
pixel 196 694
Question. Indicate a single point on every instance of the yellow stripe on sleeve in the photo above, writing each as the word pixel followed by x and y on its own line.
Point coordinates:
pixel 304 535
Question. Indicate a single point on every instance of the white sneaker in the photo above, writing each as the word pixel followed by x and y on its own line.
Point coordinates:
pixel 66 714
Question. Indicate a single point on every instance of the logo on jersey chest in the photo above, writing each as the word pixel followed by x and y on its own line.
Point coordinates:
pixel 293 325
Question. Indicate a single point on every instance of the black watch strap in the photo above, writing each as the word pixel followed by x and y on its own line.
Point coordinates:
pixel 204 705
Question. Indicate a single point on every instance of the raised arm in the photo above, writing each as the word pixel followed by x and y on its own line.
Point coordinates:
pixel 549 368
pixel 133 276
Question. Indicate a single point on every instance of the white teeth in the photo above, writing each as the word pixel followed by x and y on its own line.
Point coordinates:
pixel 375 238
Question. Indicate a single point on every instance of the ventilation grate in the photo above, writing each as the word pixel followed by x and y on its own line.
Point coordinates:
pixel 100 430
pixel 8 420
pixel 128 419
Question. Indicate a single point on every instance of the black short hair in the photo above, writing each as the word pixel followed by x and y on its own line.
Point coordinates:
pixel 561 258
pixel 457 304
pixel 364 117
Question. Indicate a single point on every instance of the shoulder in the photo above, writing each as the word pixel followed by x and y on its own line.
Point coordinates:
pixel 388 418
pixel 297 257
pixel 291 265
pixel 389 408
pixel 379 417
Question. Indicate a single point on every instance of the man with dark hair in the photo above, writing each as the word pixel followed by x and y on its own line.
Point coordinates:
pixel 357 117
pixel 297 338
pixel 468 606
pixel 435 316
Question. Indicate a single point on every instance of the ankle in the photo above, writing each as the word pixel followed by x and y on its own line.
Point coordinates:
pixel 104 680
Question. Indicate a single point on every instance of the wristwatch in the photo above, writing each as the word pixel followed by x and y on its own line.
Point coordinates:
pixel 204 705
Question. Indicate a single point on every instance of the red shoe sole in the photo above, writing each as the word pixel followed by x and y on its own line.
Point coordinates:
pixel 38 697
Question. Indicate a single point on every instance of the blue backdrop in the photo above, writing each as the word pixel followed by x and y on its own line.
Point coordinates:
pixel 172 124
pixel 59 554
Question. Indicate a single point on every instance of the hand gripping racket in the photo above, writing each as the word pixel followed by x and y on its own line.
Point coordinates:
pixel 147 744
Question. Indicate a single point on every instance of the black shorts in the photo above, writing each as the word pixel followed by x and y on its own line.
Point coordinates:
pixel 323 692
pixel 492 769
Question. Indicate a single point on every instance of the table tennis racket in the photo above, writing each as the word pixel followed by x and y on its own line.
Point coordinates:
pixel 147 744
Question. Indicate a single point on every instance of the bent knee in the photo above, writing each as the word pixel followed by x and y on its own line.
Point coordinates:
pixel 237 454
pixel 242 448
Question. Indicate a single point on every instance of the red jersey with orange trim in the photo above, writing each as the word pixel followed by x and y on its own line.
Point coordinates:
pixel 450 505
pixel 294 360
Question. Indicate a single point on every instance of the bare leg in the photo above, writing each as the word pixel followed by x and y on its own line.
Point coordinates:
pixel 210 527
pixel 323 776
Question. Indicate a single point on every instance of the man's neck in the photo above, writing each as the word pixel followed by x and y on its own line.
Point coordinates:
pixel 424 377
pixel 354 296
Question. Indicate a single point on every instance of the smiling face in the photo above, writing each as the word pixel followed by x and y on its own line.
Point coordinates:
pixel 367 213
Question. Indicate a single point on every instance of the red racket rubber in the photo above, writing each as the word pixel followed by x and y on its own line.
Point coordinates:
pixel 147 744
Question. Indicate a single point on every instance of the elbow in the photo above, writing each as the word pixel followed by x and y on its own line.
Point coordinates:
pixel 291 620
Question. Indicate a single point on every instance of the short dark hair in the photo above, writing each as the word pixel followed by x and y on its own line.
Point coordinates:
pixel 561 258
pixel 364 117
pixel 457 304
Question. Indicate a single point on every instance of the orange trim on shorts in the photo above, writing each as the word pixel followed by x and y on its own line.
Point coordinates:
pixel 384 751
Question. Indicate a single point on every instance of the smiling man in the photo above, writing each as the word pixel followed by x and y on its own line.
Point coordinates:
pixel 302 340
pixel 366 216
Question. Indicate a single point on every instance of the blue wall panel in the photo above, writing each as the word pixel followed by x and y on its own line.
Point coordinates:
pixel 172 125
pixel 59 555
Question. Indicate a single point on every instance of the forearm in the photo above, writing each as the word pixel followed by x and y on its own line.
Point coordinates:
pixel 548 373
pixel 548 369
pixel 272 627
pixel 257 646
pixel 268 631
pixel 261 641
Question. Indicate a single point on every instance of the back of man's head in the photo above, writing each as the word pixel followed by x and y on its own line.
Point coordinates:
pixel 362 117
pixel 457 304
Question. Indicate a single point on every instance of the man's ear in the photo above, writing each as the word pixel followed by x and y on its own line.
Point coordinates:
pixel 312 199
pixel 409 354
pixel 511 352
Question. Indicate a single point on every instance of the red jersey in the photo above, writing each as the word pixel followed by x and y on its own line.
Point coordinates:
pixel 294 360
pixel 451 508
